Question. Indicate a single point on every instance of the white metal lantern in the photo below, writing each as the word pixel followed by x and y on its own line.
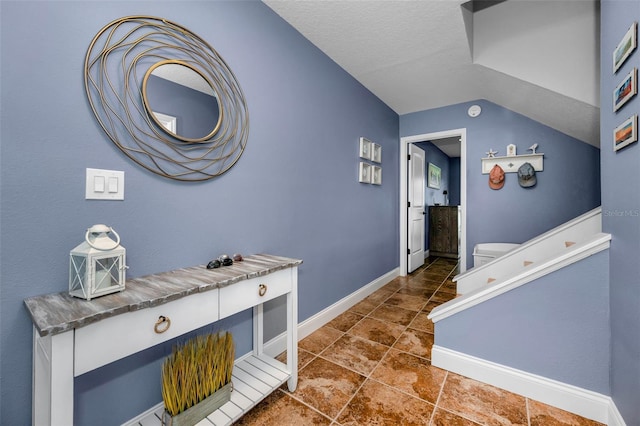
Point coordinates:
pixel 97 266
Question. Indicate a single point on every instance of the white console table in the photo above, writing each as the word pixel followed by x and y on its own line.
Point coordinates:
pixel 73 336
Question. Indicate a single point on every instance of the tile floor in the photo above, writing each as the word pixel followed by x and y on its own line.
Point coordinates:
pixel 371 366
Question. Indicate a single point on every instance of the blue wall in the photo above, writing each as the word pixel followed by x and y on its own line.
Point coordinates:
pixel 556 327
pixel 621 213
pixel 568 186
pixel 294 192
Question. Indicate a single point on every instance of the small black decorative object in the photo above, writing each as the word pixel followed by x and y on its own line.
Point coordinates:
pixel 225 260
pixel 215 263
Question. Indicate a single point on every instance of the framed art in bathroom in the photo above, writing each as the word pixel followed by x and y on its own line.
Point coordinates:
pixel 626 90
pixel 626 46
pixel 434 176
pixel 626 133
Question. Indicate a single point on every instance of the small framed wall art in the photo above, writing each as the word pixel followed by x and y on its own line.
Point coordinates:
pixel 626 46
pixel 376 153
pixel 365 148
pixel 434 176
pixel 626 133
pixel 376 175
pixel 626 90
pixel 364 173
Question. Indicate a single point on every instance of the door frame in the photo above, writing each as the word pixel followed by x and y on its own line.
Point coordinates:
pixel 404 143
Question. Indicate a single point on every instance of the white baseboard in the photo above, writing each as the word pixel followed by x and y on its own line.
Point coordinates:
pixel 585 403
pixel 278 344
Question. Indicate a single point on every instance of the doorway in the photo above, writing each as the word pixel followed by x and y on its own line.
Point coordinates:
pixel 404 210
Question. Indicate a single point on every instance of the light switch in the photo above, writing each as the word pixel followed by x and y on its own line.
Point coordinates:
pixel 98 184
pixel 113 184
pixel 104 185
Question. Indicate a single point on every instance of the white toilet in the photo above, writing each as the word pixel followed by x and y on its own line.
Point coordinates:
pixel 486 252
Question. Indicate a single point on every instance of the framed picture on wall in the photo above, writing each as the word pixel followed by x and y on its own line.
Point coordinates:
pixel 626 90
pixel 434 176
pixel 626 133
pixel 364 173
pixel 376 175
pixel 625 47
pixel 365 148
pixel 376 153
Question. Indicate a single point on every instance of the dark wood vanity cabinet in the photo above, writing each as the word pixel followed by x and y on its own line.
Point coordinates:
pixel 444 231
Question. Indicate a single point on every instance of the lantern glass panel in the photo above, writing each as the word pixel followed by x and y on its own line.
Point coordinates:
pixel 107 273
pixel 78 273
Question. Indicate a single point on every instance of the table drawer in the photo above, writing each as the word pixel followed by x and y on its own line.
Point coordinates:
pixel 117 337
pixel 246 294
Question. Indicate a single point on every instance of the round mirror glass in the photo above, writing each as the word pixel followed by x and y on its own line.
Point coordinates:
pixel 181 101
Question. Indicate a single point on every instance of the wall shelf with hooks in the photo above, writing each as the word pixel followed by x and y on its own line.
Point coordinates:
pixel 511 164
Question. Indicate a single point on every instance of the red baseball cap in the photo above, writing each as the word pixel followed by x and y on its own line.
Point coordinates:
pixel 496 177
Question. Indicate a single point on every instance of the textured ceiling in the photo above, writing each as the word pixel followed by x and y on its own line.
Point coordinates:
pixel 416 55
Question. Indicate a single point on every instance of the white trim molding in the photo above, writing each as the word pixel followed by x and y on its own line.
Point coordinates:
pixel 583 402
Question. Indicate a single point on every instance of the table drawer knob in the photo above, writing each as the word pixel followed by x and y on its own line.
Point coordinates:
pixel 262 289
pixel 162 324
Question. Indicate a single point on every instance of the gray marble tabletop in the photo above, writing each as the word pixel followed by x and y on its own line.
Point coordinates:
pixel 59 312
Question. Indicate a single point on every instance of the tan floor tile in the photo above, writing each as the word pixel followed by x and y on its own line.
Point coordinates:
pixel 421 322
pixel 435 276
pixel 444 418
pixel 304 357
pixel 379 296
pixel 326 386
pixel 419 289
pixel 364 307
pixel 482 403
pixel 357 354
pixel 442 297
pixel 411 374
pixel 416 342
pixel 393 314
pixel 378 404
pixel 345 321
pixel 544 415
pixel 430 306
pixel 318 341
pixel 449 287
pixel 377 331
pixel 406 301
pixel 282 410
pixel 396 284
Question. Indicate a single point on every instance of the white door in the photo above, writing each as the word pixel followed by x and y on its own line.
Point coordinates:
pixel 415 209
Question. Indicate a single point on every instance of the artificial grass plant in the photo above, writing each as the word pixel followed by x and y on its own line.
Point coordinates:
pixel 195 370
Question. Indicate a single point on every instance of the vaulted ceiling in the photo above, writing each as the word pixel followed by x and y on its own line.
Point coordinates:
pixel 539 58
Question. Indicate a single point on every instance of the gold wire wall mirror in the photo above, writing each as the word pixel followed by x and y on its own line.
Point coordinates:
pixel 166 98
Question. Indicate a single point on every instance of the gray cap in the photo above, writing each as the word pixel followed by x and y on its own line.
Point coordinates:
pixel 527 176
